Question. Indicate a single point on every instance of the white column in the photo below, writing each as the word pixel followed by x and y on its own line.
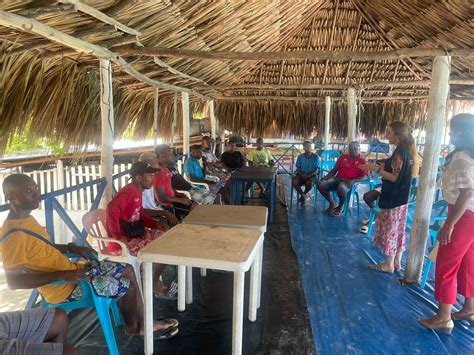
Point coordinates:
pixel 175 117
pixel 351 115
pixel 107 119
pixel 148 306
pixel 425 194
pixel 212 117
pixel 186 121
pixel 327 122
pixel 155 116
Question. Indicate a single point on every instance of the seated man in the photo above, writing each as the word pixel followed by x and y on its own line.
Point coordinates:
pixel 232 158
pixel 341 177
pixel 260 157
pixel 149 202
pixel 195 173
pixel 32 261
pixel 212 166
pixel 307 168
pixel 35 331
pixel 126 221
pixel 178 182
pixel 208 157
pixel 165 193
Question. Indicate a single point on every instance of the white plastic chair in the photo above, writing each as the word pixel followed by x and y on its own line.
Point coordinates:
pixel 94 224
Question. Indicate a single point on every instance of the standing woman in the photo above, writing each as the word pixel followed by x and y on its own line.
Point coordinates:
pixel 396 176
pixel 455 259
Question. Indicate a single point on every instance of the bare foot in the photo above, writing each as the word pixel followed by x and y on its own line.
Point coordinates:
pixel 160 288
pixel 434 320
pixel 157 325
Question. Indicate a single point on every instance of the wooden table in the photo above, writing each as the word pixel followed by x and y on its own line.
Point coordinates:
pixel 252 174
pixel 227 249
pixel 246 217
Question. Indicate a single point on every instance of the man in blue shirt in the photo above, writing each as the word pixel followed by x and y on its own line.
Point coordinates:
pixel 195 173
pixel 307 168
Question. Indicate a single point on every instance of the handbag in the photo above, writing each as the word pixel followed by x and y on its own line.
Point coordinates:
pixel 133 229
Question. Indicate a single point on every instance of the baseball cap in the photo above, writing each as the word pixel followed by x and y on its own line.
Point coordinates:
pixel 141 168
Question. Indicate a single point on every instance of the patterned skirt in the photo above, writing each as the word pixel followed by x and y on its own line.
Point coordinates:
pixel 391 225
pixel 135 244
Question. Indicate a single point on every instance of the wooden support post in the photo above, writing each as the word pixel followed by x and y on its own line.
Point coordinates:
pixel 155 117
pixel 212 117
pixel 107 118
pixel 351 115
pixel 327 122
pixel 175 117
pixel 424 200
pixel 186 121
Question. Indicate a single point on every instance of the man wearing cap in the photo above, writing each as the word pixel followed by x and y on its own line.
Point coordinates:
pixel 346 172
pixel 127 222
pixel 162 184
pixel 151 206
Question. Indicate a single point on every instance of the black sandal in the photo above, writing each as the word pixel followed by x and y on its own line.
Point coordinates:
pixel 165 334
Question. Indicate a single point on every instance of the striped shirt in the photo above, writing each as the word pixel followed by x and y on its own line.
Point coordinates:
pixel 458 174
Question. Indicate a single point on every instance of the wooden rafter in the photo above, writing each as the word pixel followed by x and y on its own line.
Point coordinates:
pixel 25 24
pixel 300 55
pixel 91 11
pixel 331 40
pixel 389 41
pixel 374 64
pixel 310 38
pixel 354 45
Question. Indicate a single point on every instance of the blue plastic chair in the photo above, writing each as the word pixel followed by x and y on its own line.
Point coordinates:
pixel 438 215
pixel 373 213
pixel 330 155
pixel 315 193
pixel 102 306
pixel 326 167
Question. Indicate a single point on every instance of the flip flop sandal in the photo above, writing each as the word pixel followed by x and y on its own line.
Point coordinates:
pixel 329 210
pixel 335 213
pixel 365 222
pixel 171 295
pixel 378 267
pixel 173 323
pixel 165 334
pixel 364 229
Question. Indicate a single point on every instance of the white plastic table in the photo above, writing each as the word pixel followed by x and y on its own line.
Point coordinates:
pixel 232 216
pixel 227 249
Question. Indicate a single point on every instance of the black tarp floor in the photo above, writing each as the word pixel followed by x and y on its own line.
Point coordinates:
pixel 282 325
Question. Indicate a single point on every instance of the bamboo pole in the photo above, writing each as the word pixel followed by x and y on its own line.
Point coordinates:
pixel 186 122
pixel 155 116
pixel 351 115
pixel 327 122
pixel 297 55
pixel 212 118
pixel 371 85
pixel 107 119
pixel 425 194
pixel 175 117
pixel 30 25
pixel 91 11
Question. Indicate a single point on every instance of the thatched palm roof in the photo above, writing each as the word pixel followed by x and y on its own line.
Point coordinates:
pixel 58 87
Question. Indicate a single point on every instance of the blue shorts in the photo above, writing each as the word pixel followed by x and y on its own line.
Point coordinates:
pixel 333 184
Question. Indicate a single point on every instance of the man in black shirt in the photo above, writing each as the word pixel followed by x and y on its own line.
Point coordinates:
pixel 232 158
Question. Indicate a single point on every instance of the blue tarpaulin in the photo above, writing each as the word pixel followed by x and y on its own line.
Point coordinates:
pixel 354 310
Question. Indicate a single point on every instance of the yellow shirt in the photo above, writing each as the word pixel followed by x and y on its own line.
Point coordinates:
pixel 23 250
pixel 260 158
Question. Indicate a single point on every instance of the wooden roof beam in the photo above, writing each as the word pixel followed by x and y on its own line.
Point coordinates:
pixel 29 25
pixel 321 99
pixel 93 12
pixel 331 39
pixel 300 55
pixel 405 83
pixel 390 42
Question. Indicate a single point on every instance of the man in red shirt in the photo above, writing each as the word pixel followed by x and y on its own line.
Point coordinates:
pixel 127 222
pixel 163 187
pixel 341 177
